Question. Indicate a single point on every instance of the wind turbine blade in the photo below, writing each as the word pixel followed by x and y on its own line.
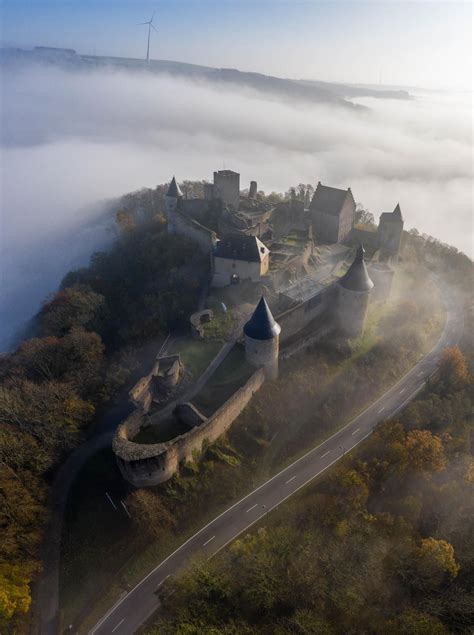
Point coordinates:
pixel 154 27
pixel 140 23
pixel 153 15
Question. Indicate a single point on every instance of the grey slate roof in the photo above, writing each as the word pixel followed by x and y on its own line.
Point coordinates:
pixel 395 216
pixel 329 199
pixel 262 325
pixel 356 277
pixel 241 247
pixel 174 190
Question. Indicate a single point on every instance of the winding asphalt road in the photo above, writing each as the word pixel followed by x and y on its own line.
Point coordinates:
pixel 130 612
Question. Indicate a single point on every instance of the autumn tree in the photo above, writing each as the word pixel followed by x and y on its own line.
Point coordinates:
pixel 363 216
pixel 52 412
pixel 125 220
pixel 433 564
pixel 149 513
pixel 14 590
pixel 78 305
pixel 412 622
pixel 453 368
pixel 424 451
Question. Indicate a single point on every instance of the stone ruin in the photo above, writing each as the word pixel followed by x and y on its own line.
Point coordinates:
pixel 166 374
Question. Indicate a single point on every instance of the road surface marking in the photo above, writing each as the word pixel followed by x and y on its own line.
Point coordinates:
pixel 381 410
pixel 164 580
pixel 250 508
pixel 109 613
pixel 119 624
pixel 208 541
pixel 402 390
pixel 355 431
pixel 290 479
pixel 325 454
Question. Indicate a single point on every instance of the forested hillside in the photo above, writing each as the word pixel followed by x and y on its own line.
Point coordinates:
pixel 87 344
pixel 383 544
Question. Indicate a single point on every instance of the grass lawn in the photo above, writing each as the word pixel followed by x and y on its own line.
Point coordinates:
pixel 220 327
pixel 165 431
pixel 196 355
pixel 229 377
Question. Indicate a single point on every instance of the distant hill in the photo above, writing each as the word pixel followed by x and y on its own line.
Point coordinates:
pixel 278 87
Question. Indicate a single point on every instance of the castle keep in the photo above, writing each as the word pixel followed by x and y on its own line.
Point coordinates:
pixel 312 283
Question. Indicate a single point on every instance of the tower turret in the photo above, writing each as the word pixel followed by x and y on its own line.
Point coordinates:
pixel 171 203
pixel 262 339
pixel 390 232
pixel 353 296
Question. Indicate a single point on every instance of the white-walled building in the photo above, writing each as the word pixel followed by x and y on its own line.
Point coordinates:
pixel 239 257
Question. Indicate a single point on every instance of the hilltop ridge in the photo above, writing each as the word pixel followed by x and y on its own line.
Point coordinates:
pixel 294 89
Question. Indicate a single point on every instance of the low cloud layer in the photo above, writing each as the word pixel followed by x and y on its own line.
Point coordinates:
pixel 70 140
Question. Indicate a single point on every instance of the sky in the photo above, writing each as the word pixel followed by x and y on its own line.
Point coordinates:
pixel 424 44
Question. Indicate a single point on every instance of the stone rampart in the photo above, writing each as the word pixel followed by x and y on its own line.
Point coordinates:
pixel 185 226
pixel 146 465
pixel 366 237
pixel 303 343
pixel 298 317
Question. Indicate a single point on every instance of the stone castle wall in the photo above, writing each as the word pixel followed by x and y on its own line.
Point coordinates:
pixel 224 268
pixel 141 394
pixel 197 208
pixel 366 237
pixel 227 187
pixel 184 226
pixel 352 310
pixel 263 353
pixel 147 465
pixel 298 317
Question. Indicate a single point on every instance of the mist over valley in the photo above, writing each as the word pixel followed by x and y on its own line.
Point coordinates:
pixel 73 138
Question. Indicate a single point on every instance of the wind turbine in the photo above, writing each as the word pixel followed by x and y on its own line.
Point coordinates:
pixel 150 26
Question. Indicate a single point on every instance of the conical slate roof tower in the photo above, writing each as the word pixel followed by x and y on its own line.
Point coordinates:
pixel 174 190
pixel 357 277
pixel 262 325
pixel 397 212
pixel 354 296
pixel 262 340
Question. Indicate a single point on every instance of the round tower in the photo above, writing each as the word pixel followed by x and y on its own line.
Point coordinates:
pixel 262 340
pixel 171 203
pixel 353 296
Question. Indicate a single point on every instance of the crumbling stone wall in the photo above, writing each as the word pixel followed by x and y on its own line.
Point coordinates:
pixel 147 465
pixel 184 226
pixel 366 237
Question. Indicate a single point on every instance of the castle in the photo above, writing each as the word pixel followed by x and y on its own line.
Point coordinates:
pixel 249 241
pixel 301 261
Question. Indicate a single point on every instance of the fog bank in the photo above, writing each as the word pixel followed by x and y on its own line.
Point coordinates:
pixel 71 140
